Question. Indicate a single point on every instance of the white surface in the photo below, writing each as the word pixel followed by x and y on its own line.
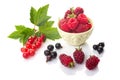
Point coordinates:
pixel 105 15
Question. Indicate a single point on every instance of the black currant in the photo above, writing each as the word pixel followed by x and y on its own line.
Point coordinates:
pixel 50 47
pixel 54 54
pixel 47 52
pixel 48 58
pixel 58 46
pixel 101 44
pixel 100 49
pixel 95 47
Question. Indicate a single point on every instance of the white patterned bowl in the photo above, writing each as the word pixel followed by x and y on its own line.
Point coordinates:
pixel 75 39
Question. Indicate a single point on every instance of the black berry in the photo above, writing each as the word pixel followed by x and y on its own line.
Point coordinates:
pixel 50 47
pixel 47 52
pixel 100 49
pixel 95 47
pixel 101 44
pixel 48 58
pixel 54 54
pixel 58 46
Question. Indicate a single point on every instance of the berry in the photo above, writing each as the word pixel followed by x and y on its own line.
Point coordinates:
pixel 48 58
pixel 26 55
pixel 67 13
pixel 47 52
pixel 43 37
pixel 58 46
pixel 32 52
pixel 72 23
pixel 50 47
pixel 38 44
pixel 100 49
pixel 24 49
pixel 101 44
pixel 78 10
pixel 54 54
pixel 92 62
pixel 95 47
pixel 28 45
pixel 78 56
pixel 82 18
pixel 66 60
pixel 64 26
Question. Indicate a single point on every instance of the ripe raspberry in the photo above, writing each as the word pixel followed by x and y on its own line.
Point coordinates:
pixel 82 18
pixel 66 60
pixel 78 10
pixel 67 13
pixel 72 23
pixel 78 56
pixel 92 62
pixel 64 26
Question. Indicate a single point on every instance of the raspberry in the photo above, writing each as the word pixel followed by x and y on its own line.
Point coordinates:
pixel 92 62
pixel 78 10
pixel 72 23
pixel 83 28
pixel 67 13
pixel 66 60
pixel 78 56
pixel 64 26
pixel 82 18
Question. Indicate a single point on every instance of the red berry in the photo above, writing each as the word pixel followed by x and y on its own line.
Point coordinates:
pixel 78 56
pixel 33 46
pixel 28 45
pixel 26 55
pixel 23 49
pixel 82 18
pixel 72 23
pixel 92 62
pixel 67 13
pixel 66 60
pixel 78 10
pixel 64 26
pixel 38 44
pixel 32 52
pixel 43 37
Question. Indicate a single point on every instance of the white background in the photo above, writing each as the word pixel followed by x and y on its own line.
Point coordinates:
pixel 105 15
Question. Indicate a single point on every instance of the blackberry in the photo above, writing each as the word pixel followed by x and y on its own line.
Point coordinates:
pixel 47 52
pixel 53 54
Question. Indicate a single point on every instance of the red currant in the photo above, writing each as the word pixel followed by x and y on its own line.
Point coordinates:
pixel 29 46
pixel 24 49
pixel 32 52
pixel 38 44
pixel 26 55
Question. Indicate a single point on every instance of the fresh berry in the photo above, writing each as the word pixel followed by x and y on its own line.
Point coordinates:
pixel 43 37
pixel 72 23
pixel 100 49
pixel 58 46
pixel 48 58
pixel 82 18
pixel 47 52
pixel 101 44
pixel 67 13
pixel 24 49
pixel 38 44
pixel 78 56
pixel 66 60
pixel 54 54
pixel 26 55
pixel 64 26
pixel 92 62
pixel 78 10
pixel 28 45
pixel 31 52
pixel 50 47
pixel 95 47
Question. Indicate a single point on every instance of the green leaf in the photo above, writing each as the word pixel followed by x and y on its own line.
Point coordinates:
pixel 33 14
pixel 39 17
pixel 22 33
pixel 50 32
pixel 20 27
pixel 15 35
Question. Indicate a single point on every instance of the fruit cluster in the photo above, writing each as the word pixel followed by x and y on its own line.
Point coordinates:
pixel 99 47
pixel 75 21
pixel 49 53
pixel 79 57
pixel 32 44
